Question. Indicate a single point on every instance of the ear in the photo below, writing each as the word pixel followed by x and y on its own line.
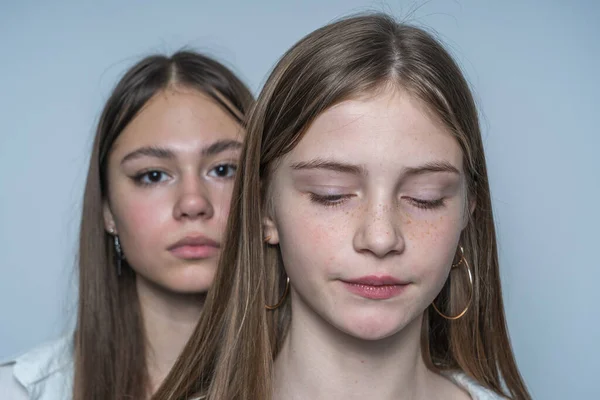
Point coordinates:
pixel 109 221
pixel 270 233
pixel 472 205
pixel 471 210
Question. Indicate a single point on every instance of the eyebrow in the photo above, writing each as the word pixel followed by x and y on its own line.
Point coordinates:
pixel 330 165
pixel 149 151
pixel 164 153
pixel 221 146
pixel 435 166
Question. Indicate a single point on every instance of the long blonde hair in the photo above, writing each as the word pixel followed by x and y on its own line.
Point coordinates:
pixel 230 355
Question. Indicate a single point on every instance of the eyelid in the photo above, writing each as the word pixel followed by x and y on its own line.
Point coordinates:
pixel 331 188
pixel 229 161
pixel 329 200
pixel 425 203
pixel 329 193
pixel 152 169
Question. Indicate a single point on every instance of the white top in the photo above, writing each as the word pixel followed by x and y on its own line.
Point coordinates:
pixel 475 390
pixel 46 373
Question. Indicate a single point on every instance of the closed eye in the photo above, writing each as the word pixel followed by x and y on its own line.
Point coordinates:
pixel 329 199
pixel 426 204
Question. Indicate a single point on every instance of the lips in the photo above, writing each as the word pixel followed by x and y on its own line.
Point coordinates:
pixel 374 280
pixel 194 248
pixel 376 287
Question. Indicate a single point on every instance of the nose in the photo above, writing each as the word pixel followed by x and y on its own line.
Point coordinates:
pixel 193 200
pixel 378 232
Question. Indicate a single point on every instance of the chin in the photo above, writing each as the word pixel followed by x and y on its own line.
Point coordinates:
pixel 189 285
pixel 194 278
pixel 374 326
pixel 372 332
pixel 188 281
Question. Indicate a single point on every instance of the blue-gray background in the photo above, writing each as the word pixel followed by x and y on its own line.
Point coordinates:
pixel 534 69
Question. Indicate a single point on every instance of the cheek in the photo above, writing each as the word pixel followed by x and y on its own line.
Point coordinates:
pixel 221 201
pixel 309 238
pixel 433 243
pixel 141 220
pixel 437 229
pixel 300 239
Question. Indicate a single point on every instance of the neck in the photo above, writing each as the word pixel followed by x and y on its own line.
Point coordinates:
pixel 318 361
pixel 169 320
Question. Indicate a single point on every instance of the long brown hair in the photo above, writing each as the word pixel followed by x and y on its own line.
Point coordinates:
pixel 109 340
pixel 230 356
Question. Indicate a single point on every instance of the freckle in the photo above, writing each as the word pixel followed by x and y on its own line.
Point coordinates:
pixel 362 361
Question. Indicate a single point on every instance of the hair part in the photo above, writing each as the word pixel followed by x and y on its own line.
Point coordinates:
pixel 109 341
pixel 231 353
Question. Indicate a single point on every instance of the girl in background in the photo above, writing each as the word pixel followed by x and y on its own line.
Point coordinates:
pixel 155 206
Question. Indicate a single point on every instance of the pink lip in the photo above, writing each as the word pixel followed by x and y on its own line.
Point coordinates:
pixel 194 248
pixel 376 287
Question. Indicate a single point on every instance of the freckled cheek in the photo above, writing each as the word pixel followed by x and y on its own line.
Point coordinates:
pixel 437 229
pixel 432 243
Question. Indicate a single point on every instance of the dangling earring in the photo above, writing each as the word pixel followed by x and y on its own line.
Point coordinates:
pixel 118 251
pixel 462 261
pixel 282 299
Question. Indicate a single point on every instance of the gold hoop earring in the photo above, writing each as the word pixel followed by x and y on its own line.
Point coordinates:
pixel 282 299
pixel 462 258
pixel 462 261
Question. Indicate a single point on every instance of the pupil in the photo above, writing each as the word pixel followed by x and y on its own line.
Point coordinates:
pixel 222 170
pixel 154 176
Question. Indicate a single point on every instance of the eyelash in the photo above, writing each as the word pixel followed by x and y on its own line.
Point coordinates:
pixel 426 204
pixel 139 178
pixel 330 200
pixel 339 199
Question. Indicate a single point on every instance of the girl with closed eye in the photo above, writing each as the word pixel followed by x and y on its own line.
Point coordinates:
pixel 362 259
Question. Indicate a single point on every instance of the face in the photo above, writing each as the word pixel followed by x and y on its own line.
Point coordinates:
pixel 367 210
pixel 170 177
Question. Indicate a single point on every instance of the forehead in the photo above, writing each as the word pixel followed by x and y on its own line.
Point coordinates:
pixel 392 128
pixel 178 117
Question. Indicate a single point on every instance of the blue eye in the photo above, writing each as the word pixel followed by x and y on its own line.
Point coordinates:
pixel 223 171
pixel 150 177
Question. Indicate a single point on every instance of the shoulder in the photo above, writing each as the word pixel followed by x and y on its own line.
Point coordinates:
pixel 44 373
pixel 475 389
